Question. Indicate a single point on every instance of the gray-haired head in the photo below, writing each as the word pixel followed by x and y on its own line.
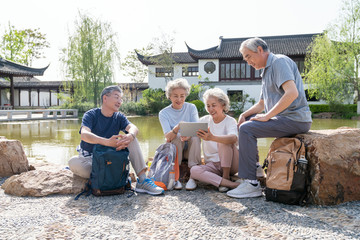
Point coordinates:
pixel 177 83
pixel 219 95
pixel 253 43
pixel 109 90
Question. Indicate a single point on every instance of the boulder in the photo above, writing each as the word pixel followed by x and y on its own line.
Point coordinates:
pixel 12 158
pixel 38 183
pixel 334 164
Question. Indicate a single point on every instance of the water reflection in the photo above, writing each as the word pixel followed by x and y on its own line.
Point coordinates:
pixel 55 141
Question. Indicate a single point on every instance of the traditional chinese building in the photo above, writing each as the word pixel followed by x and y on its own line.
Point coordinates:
pixel 23 90
pixel 223 66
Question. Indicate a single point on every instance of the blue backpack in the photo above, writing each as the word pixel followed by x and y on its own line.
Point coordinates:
pixel 110 172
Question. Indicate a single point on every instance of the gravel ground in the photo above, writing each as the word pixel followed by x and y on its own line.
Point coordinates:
pixel 201 214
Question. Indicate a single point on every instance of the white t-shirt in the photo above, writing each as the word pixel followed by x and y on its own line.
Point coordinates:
pixel 228 126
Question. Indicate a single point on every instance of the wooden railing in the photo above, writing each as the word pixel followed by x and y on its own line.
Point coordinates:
pixel 37 114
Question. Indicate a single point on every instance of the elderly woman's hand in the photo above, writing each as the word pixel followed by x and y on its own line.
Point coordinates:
pixel 205 135
pixel 183 139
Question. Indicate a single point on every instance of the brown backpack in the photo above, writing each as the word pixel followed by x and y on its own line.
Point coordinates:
pixel 286 171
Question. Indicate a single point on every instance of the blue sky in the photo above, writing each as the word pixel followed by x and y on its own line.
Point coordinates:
pixel 138 22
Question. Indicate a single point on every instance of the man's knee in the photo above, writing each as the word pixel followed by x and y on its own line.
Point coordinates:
pixel 248 127
pixel 80 166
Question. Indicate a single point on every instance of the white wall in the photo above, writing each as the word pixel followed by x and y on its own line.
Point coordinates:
pixel 212 76
pixel 252 89
pixel 24 98
pixel 34 98
pixel 44 98
pixel 53 98
pixel 160 82
pixel 5 97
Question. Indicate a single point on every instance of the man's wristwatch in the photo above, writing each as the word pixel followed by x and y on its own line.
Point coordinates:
pixel 132 135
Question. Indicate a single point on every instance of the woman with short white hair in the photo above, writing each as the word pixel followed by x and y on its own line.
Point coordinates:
pixel 219 143
pixel 180 111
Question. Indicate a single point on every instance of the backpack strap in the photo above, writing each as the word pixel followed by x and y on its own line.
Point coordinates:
pixel 87 189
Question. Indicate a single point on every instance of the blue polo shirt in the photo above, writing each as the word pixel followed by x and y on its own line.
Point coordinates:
pixel 279 69
pixel 102 126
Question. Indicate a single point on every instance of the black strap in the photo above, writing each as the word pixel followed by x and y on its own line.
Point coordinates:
pixel 87 189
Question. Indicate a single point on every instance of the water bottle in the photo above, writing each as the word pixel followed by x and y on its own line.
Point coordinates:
pixel 302 165
pixel 171 183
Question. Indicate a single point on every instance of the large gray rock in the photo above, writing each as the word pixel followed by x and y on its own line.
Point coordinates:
pixel 12 158
pixel 40 182
pixel 334 161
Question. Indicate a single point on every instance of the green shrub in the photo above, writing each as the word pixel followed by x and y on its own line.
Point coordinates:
pixel 154 100
pixel 238 102
pixel 195 92
pixel 82 107
pixel 342 110
pixel 133 108
pixel 200 107
pixel 317 108
pixel 338 108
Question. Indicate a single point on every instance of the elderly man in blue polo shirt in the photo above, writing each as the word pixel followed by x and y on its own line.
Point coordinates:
pixel 286 110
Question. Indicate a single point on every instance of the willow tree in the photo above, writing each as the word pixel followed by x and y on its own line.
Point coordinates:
pixel 332 65
pixel 90 58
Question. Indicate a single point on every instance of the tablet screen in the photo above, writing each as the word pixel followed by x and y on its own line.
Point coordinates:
pixel 189 129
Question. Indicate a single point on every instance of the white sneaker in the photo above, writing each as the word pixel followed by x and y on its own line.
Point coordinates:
pixel 178 185
pixel 260 172
pixel 245 190
pixel 223 189
pixel 190 185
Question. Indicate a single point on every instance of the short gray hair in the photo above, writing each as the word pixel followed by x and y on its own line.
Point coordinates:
pixel 109 90
pixel 253 43
pixel 219 95
pixel 177 83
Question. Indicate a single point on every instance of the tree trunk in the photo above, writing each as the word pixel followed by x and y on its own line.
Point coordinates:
pixel 358 107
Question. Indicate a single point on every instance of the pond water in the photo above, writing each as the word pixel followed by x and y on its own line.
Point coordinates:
pixel 55 141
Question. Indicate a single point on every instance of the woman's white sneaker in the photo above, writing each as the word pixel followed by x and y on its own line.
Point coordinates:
pixel 245 190
pixel 178 185
pixel 190 185
pixel 223 189
pixel 260 172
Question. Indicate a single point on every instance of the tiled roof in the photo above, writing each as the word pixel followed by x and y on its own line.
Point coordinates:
pixel 291 45
pixel 8 68
pixel 179 57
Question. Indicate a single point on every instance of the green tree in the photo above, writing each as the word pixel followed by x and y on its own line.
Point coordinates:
pixel 332 66
pixel 133 67
pixel 23 45
pixel 90 57
pixel 163 47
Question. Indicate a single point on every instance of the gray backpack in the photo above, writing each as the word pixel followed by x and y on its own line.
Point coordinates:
pixel 165 167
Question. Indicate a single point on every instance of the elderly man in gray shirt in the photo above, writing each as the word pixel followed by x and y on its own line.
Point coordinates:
pixel 286 111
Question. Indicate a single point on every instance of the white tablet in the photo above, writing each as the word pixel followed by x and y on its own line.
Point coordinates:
pixel 189 129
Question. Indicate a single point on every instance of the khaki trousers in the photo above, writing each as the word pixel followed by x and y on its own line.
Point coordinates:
pixel 192 153
pixel 81 165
